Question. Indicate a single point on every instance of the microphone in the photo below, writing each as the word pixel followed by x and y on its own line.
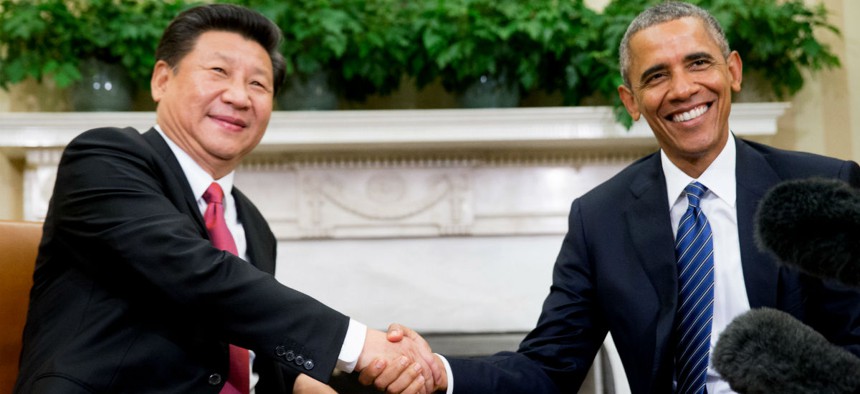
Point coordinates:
pixel 813 225
pixel 769 351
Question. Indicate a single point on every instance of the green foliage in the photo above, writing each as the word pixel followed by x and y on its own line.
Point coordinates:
pixel 38 39
pixel 776 39
pixel 363 44
pixel 377 54
pixel 369 45
pixel 52 37
pixel 533 43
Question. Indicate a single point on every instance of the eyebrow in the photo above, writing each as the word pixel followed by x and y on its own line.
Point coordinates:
pixel 662 66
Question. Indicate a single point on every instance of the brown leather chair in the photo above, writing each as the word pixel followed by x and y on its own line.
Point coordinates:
pixel 19 243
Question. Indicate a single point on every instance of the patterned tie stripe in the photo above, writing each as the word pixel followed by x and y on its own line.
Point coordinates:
pixel 695 254
pixel 238 379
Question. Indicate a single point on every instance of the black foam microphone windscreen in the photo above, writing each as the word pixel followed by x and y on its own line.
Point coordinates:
pixel 769 351
pixel 814 226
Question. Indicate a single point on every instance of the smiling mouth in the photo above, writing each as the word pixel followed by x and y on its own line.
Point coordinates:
pixel 691 114
pixel 237 123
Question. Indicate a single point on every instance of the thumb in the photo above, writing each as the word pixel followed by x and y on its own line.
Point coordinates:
pixel 395 332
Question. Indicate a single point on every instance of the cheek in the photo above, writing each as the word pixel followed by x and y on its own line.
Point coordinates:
pixel 650 102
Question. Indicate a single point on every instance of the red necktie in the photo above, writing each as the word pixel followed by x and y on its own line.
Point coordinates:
pixel 238 381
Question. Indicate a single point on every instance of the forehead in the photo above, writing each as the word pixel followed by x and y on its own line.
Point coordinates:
pixel 214 40
pixel 671 40
pixel 233 47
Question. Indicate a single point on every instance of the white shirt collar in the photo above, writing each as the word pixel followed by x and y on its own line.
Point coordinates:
pixel 719 177
pixel 198 178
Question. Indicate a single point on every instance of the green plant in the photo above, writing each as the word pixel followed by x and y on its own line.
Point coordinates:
pixel 52 37
pixel 777 39
pixel 362 45
pixel 462 40
pixel 575 60
pixel 378 52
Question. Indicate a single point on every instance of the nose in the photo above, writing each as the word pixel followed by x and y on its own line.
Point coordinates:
pixel 683 86
pixel 236 94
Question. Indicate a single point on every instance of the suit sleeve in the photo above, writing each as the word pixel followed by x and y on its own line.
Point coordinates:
pixel 125 214
pixel 557 354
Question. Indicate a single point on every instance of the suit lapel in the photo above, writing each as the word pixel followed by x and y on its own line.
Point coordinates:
pixel 650 230
pixel 761 273
pixel 260 248
pixel 649 227
pixel 163 150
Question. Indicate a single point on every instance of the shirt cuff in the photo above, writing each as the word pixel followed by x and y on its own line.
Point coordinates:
pixel 450 375
pixel 353 344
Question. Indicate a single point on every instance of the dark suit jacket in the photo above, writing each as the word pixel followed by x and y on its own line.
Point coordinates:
pixel 130 296
pixel 616 272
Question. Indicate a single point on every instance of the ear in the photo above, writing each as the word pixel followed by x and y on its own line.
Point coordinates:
pixel 161 74
pixel 736 70
pixel 629 101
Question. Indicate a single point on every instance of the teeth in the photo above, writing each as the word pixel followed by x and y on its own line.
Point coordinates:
pixel 691 114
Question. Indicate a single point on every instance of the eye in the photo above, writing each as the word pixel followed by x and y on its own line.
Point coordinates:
pixel 700 64
pixel 654 78
pixel 260 85
pixel 219 70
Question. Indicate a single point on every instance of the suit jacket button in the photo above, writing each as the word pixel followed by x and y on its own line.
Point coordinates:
pixel 215 379
pixel 280 351
pixel 290 356
pixel 300 360
pixel 309 365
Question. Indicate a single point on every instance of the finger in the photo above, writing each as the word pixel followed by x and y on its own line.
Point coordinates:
pixel 392 373
pixel 434 364
pixel 395 332
pixel 429 379
pixel 405 380
pixel 369 374
pixel 417 386
pixel 437 369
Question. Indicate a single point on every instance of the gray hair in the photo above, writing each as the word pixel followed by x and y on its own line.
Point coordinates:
pixel 667 12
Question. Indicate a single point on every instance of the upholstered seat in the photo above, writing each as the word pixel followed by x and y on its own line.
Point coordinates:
pixel 19 243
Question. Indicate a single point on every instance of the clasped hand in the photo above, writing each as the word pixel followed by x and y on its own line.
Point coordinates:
pixel 400 361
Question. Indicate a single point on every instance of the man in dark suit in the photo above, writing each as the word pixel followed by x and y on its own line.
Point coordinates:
pixel 617 269
pixel 135 289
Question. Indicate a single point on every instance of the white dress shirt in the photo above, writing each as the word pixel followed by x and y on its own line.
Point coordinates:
pixel 199 180
pixel 720 207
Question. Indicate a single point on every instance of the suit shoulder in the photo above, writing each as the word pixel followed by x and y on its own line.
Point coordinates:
pixel 796 164
pixel 108 137
pixel 637 175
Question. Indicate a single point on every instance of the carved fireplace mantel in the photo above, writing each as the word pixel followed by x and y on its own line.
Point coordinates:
pixel 545 127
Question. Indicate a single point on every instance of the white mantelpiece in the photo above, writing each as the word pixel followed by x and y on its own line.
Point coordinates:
pixel 555 127
pixel 448 220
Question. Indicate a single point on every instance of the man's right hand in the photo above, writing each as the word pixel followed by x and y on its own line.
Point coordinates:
pixel 415 362
pixel 396 377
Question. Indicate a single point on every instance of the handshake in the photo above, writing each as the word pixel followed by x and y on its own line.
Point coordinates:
pixel 400 361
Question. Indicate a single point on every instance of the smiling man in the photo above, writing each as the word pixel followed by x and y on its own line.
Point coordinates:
pixel 622 269
pixel 154 274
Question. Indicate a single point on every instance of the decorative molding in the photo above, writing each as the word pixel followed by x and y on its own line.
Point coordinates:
pixel 372 130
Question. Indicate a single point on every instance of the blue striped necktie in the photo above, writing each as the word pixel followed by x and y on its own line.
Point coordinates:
pixel 694 250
